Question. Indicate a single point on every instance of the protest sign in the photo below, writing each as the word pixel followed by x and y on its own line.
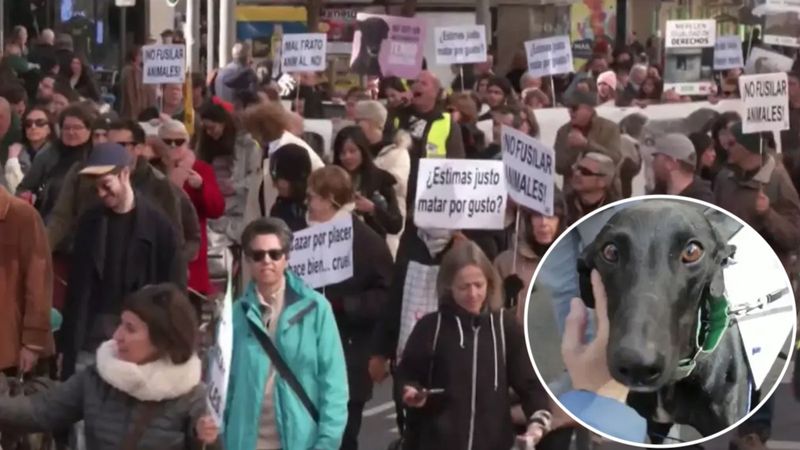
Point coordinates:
pixel 549 56
pixel 419 299
pixel 782 29
pixel 728 53
pixel 461 45
pixel 220 358
pixel 323 254
pixel 765 102
pixel 690 33
pixel 689 56
pixel 460 194
pixel 530 170
pixel 163 64
pixel 765 61
pixel 303 52
pixel 388 46
pixel 769 7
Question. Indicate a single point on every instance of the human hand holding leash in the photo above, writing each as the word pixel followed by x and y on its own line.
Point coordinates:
pixel 207 430
pixel 586 362
pixel 762 202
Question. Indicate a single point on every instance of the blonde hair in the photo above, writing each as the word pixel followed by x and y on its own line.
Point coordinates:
pixel 461 255
pixel 172 126
pixel 333 184
pixel 465 105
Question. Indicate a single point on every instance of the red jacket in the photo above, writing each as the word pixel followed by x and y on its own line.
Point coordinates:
pixel 210 204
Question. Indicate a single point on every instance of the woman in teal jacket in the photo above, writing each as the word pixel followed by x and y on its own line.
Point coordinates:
pixel 309 342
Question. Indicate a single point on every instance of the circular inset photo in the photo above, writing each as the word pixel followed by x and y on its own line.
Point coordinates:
pixel 674 321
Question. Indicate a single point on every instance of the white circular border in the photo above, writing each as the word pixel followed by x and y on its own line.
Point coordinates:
pixel 639 444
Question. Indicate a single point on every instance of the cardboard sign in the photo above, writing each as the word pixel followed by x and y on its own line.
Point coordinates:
pixel 530 170
pixel 690 33
pixel 323 254
pixel 220 359
pixel 458 194
pixel 728 53
pixel 303 52
pixel 164 64
pixel 549 56
pixel 765 61
pixel 461 45
pixel 388 46
pixel 765 102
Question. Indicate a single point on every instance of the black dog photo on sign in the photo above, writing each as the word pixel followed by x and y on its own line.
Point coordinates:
pixel 371 32
pixel 685 282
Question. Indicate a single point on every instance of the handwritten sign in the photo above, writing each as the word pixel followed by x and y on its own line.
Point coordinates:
pixel 220 358
pixel 461 45
pixel 690 33
pixel 728 53
pixel 460 194
pixel 549 56
pixel 388 46
pixel 303 52
pixel 164 64
pixel 323 254
pixel 530 170
pixel 765 100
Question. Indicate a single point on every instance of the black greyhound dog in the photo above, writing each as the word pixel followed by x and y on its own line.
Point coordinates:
pixel 374 31
pixel 661 262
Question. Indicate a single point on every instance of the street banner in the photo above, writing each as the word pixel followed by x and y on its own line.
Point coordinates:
pixel 765 102
pixel 220 359
pixel 766 61
pixel 549 56
pixel 164 64
pixel 323 254
pixel 529 169
pixel 388 46
pixel 728 53
pixel 461 45
pixel 458 194
pixel 689 56
pixel 303 52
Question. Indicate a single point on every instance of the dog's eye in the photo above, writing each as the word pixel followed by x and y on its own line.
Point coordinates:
pixel 691 253
pixel 610 253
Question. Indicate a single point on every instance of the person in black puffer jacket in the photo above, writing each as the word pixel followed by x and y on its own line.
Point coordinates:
pixel 290 167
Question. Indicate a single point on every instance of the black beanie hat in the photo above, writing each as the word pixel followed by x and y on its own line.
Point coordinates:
pixel 290 162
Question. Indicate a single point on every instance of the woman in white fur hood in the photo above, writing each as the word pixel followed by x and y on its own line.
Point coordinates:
pixel 144 393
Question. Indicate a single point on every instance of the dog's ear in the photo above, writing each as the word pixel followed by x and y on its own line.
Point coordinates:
pixel 384 30
pixel 585 266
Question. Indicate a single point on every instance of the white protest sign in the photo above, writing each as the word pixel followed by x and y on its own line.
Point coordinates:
pixel 728 53
pixel 765 61
pixel 163 64
pixel 765 102
pixel 549 56
pixel 530 170
pixel 303 52
pixel 690 33
pixel 458 194
pixel 221 356
pixel 461 45
pixel 764 331
pixel 776 7
pixel 323 254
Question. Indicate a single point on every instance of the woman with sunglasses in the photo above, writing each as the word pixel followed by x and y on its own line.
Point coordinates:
pixel 359 301
pixel 147 378
pixel 38 128
pixel 197 179
pixel 375 198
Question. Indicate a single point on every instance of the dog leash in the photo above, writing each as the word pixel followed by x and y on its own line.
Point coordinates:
pixel 744 310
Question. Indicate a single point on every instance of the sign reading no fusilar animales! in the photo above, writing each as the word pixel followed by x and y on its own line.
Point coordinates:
pixel 303 52
pixel 765 102
pixel 530 170
pixel 164 64
pixel 691 33
pixel 323 254
pixel 460 194
pixel 461 45
pixel 549 56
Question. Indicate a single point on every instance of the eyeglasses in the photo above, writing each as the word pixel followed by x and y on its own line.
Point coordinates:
pixel 38 123
pixel 274 254
pixel 174 142
pixel 586 172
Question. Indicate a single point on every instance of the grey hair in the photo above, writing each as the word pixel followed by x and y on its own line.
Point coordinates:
pixel 266 226
pixel 172 126
pixel 607 166
pixel 48 36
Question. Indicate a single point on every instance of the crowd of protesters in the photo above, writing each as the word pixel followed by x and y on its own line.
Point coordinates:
pixel 113 208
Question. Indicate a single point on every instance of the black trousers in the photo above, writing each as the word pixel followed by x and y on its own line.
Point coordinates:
pixel 354 412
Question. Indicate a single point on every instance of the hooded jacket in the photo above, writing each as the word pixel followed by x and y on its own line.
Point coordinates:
pixel 475 359
pixel 109 396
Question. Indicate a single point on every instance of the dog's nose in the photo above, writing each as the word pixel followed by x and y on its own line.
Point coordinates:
pixel 636 367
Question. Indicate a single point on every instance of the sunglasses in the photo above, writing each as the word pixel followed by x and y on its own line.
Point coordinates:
pixel 174 142
pixel 586 172
pixel 38 123
pixel 261 255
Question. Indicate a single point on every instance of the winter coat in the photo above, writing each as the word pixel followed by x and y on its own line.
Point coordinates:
pixel 475 359
pixel 358 303
pixel 604 137
pixel 780 226
pixel 109 397
pixel 26 280
pixel 309 342
pixel 17 168
pixel 135 95
pixel 394 158
pixel 46 177
pixel 152 257
pixel 378 187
